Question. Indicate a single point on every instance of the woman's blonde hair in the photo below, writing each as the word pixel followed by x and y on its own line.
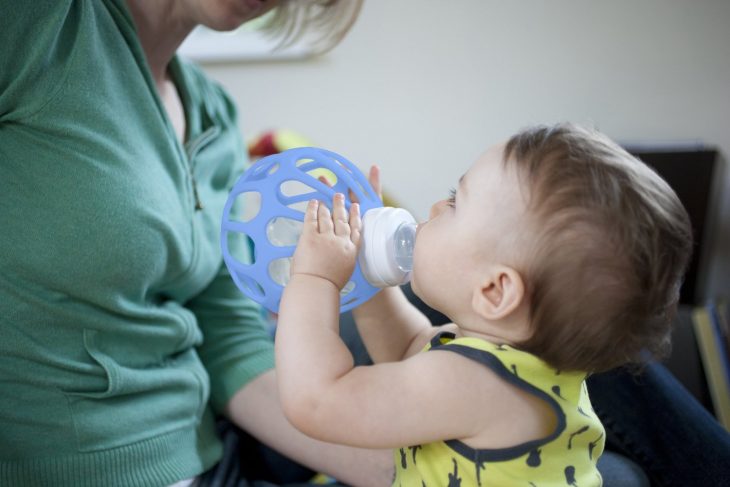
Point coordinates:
pixel 320 23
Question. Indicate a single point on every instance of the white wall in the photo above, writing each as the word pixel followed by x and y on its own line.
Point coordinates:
pixel 422 87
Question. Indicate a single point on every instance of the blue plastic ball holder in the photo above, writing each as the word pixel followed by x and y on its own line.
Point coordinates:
pixel 263 216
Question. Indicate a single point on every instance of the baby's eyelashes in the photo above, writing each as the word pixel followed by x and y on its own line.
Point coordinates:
pixel 451 200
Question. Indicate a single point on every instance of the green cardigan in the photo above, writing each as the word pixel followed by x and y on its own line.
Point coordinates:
pixel 121 332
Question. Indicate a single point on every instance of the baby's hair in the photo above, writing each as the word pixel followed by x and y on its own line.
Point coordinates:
pixel 323 22
pixel 610 243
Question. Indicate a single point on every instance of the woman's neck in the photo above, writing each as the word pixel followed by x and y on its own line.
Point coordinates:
pixel 162 27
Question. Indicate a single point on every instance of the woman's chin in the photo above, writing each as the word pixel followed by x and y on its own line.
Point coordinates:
pixel 231 15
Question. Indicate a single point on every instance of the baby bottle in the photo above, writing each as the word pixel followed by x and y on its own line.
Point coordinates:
pixel 283 184
pixel 386 250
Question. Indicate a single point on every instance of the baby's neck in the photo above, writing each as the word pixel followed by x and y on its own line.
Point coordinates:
pixel 495 338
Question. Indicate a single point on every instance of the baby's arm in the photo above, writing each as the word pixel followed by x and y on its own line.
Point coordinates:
pixel 427 397
pixel 309 351
pixel 390 326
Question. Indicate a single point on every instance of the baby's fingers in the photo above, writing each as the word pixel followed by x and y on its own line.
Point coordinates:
pixel 355 224
pixel 339 215
pixel 325 219
pixel 311 223
pixel 374 178
pixel 324 180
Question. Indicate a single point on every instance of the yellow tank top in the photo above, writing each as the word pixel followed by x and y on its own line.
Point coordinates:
pixel 565 458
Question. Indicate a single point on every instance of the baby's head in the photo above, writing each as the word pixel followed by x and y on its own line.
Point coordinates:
pixel 562 243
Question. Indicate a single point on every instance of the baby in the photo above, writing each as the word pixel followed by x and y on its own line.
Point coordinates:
pixel 558 255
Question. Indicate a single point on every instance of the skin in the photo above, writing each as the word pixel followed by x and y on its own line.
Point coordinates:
pixel 393 403
pixel 162 26
pixel 478 233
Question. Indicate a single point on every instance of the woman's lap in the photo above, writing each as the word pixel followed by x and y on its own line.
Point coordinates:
pixel 248 463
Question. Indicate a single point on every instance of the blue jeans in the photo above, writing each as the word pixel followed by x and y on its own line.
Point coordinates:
pixel 653 420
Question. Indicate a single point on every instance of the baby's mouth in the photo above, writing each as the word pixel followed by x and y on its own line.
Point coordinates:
pixel 418 227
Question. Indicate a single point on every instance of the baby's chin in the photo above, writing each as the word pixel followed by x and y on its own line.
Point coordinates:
pixel 414 286
pixel 416 289
pixel 423 296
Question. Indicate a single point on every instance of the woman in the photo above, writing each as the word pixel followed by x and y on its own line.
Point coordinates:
pixel 123 334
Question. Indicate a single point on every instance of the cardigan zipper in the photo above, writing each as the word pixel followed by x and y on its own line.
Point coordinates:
pixel 191 150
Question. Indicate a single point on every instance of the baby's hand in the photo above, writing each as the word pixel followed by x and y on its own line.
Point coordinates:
pixel 329 243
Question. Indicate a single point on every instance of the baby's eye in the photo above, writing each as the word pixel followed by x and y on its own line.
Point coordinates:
pixel 451 201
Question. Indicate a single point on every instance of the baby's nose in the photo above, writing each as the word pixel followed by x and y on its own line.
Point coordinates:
pixel 436 209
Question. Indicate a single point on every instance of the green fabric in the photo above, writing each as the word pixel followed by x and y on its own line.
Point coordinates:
pixel 122 333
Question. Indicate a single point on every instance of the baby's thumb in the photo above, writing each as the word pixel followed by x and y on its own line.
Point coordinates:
pixel 374 178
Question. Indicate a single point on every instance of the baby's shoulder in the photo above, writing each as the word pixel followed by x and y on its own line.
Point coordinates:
pixel 507 412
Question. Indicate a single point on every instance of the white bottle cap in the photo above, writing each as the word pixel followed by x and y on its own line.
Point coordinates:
pixel 378 251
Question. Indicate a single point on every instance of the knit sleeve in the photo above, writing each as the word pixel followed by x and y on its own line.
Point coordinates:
pixel 236 346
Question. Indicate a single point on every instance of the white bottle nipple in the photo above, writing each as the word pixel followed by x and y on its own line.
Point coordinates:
pixel 405 240
pixel 386 255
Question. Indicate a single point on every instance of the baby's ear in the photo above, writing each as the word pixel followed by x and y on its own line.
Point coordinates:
pixel 500 293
